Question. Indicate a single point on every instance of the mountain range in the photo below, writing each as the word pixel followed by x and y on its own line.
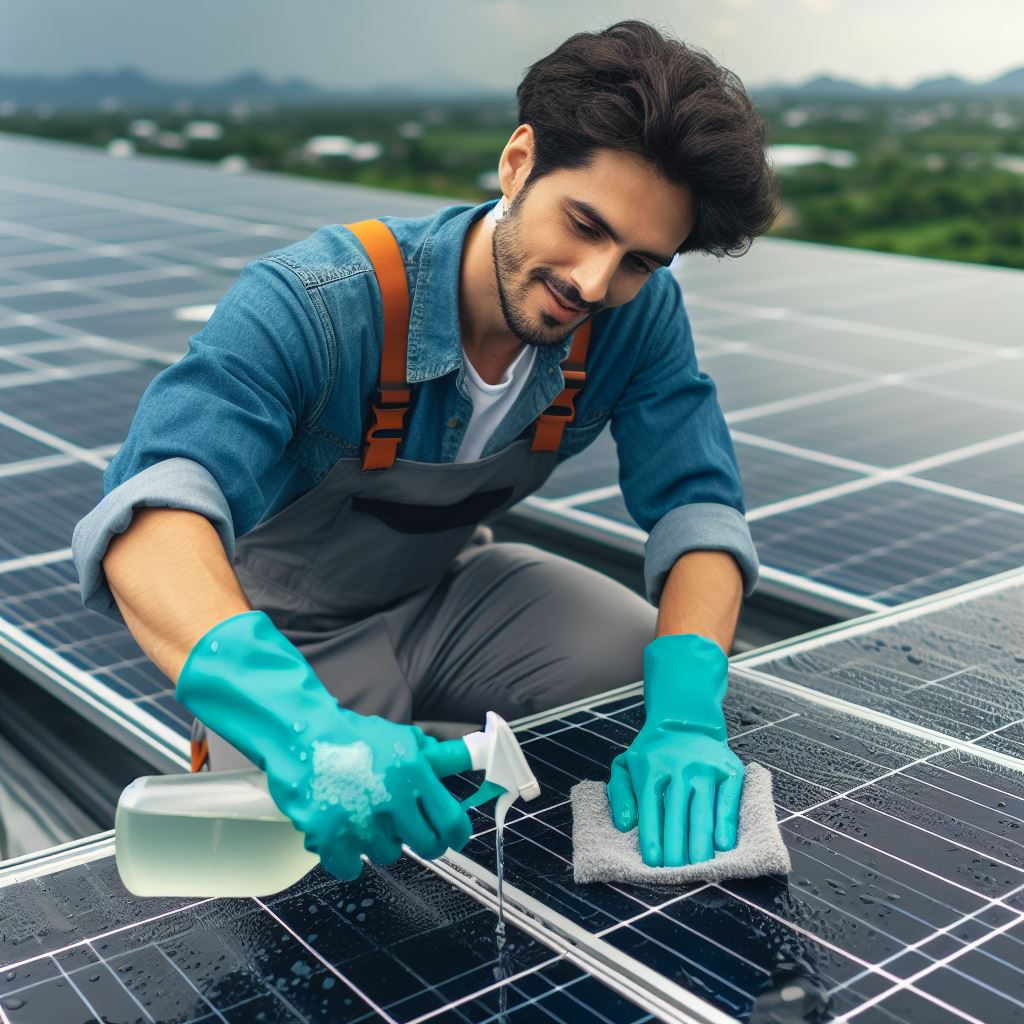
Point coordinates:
pixel 129 88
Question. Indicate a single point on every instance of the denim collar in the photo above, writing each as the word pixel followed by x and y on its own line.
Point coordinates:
pixel 435 341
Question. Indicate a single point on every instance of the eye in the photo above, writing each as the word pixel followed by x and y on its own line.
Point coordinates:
pixel 637 264
pixel 582 229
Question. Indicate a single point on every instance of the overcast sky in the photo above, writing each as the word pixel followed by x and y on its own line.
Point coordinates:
pixel 352 43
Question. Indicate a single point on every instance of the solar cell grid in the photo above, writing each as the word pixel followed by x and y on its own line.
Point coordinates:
pixel 955 669
pixel 44 604
pixel 887 426
pixel 92 410
pixel 14 445
pixel 21 333
pixel 39 510
pixel 845 346
pixel 956 310
pixel 892 542
pixel 747 379
pixel 771 476
pixel 784 277
pixel 399 944
pixel 878 877
pixel 163 286
pixel 66 264
pixel 908 856
pixel 996 380
pixel 59 355
pixel 48 301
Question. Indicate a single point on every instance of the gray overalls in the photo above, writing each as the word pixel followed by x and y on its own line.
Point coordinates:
pixel 376 577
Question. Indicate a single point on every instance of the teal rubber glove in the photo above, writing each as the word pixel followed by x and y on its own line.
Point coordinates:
pixel 679 780
pixel 352 783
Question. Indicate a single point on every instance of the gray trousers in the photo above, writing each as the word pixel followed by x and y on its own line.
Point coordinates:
pixel 510 628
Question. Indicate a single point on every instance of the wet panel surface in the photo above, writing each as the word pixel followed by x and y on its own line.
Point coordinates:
pixel 892 542
pixel 893 840
pixel 906 858
pixel 958 670
pixel 399 940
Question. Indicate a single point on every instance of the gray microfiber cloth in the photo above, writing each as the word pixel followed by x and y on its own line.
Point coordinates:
pixel 601 853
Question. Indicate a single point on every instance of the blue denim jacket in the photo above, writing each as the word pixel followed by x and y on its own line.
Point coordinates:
pixel 276 388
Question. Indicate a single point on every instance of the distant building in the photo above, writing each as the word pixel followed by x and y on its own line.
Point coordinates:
pixel 207 131
pixel 327 147
pixel 121 148
pixel 170 140
pixel 143 128
pixel 235 163
pixel 786 157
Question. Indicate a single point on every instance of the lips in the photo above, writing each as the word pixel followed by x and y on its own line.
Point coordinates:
pixel 558 299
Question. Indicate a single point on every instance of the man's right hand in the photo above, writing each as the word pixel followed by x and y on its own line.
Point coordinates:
pixel 352 783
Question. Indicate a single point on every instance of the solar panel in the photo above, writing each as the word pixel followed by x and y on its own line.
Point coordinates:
pixel 827 398
pixel 950 665
pixel 398 944
pixel 992 473
pixel 906 899
pixel 40 509
pixel 907 888
pixel 897 772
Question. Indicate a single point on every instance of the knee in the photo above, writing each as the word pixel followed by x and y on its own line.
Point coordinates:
pixel 610 655
pixel 588 657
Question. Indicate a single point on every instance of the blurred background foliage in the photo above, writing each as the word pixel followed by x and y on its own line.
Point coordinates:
pixel 926 176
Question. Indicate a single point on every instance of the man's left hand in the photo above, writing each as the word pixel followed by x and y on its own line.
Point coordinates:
pixel 679 781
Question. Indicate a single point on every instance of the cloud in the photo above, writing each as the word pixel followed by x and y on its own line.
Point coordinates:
pixel 817 6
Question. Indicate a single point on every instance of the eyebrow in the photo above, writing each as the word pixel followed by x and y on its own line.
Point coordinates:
pixel 588 211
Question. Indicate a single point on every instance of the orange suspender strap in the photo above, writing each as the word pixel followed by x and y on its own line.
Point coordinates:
pixel 562 410
pixel 393 394
pixel 200 753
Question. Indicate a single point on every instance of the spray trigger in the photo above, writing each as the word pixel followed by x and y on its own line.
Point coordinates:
pixel 496 752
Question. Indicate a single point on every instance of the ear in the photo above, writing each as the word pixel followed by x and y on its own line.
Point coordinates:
pixel 516 161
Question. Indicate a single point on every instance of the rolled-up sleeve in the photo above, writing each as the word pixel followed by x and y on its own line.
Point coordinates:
pixel 677 465
pixel 210 431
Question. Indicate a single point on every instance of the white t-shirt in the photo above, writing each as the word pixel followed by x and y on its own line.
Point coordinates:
pixel 492 401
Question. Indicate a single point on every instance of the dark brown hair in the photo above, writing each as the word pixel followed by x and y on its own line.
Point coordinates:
pixel 632 89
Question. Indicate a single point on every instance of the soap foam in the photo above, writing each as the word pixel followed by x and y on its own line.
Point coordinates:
pixel 343 774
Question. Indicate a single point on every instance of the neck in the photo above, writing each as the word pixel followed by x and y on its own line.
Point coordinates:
pixel 486 339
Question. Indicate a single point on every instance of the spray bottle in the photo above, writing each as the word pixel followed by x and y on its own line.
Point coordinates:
pixel 221 834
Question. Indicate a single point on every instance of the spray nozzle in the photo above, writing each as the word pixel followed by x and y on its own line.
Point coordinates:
pixel 496 752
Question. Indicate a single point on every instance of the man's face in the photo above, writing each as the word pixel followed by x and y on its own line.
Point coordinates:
pixel 578 241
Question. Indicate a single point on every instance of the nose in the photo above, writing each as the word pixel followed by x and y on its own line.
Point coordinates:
pixel 593 275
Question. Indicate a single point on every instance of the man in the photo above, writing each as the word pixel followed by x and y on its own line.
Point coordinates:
pixel 313 584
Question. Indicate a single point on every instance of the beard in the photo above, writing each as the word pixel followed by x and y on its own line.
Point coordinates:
pixel 509 253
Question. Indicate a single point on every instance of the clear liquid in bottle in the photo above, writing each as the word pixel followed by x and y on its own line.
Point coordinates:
pixel 206 834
